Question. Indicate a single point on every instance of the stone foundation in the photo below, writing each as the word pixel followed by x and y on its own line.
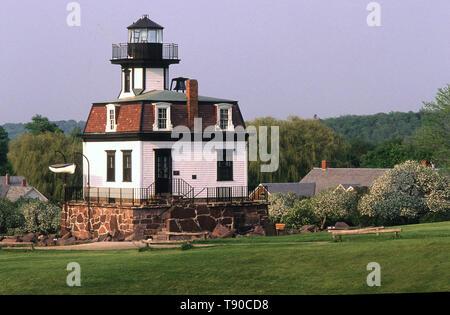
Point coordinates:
pixel 141 222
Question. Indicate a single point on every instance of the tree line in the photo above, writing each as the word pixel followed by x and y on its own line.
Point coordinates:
pixel 305 142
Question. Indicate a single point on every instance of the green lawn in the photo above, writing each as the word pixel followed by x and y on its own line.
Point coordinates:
pixel 419 261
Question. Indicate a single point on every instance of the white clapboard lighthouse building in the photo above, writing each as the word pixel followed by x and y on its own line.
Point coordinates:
pixel 159 137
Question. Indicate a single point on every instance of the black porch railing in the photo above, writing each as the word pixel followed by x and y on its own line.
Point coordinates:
pixel 145 51
pixel 180 189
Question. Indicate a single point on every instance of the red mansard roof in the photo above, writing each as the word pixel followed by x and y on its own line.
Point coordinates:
pixel 140 117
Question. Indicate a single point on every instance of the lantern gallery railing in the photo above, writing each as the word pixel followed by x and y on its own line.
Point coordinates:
pixel 145 51
pixel 180 190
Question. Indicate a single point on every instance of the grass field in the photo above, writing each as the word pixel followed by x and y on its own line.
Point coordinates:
pixel 419 261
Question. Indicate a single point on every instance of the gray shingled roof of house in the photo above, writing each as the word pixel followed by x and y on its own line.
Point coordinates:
pixel 301 189
pixel 165 96
pixel 331 177
pixel 15 190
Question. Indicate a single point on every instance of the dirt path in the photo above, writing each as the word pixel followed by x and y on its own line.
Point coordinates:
pixel 113 246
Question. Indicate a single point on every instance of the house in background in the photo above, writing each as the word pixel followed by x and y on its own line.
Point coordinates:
pixel 325 177
pixel 264 190
pixel 14 187
pixel 347 187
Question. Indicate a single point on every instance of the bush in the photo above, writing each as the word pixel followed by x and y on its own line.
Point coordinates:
pixel 408 193
pixel 40 216
pixel 281 204
pixel 10 217
pixel 186 246
pixel 301 214
pixel 336 205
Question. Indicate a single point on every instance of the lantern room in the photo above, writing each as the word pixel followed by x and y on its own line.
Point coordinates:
pixel 145 30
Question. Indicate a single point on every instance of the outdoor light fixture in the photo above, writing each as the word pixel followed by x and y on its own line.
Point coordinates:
pixel 69 168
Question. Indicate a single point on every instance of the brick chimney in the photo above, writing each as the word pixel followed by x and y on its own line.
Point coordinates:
pixel 325 164
pixel 7 180
pixel 192 101
pixel 426 163
pixel 24 182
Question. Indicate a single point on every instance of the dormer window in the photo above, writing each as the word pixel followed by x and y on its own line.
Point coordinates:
pixel 223 120
pixel 162 117
pixel 224 117
pixel 111 123
pixel 112 118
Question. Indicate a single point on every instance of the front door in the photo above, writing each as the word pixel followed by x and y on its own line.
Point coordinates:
pixel 163 171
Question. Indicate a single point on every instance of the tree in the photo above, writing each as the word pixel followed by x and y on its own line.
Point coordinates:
pixel 357 148
pixel 10 218
pixel 301 214
pixel 378 127
pixel 76 134
pixel 5 167
pixel 434 135
pixel 393 152
pixel 281 204
pixel 31 155
pixel 405 194
pixel 39 216
pixel 303 143
pixel 334 205
pixel 40 125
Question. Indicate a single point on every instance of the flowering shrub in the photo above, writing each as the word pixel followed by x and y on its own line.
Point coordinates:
pixel 291 209
pixel 301 214
pixel 281 204
pixel 405 194
pixel 40 216
pixel 336 205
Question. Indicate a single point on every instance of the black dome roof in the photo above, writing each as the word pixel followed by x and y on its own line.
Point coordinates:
pixel 145 22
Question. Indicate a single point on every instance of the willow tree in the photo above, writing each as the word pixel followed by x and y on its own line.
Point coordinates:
pixel 31 156
pixel 303 143
pixel 5 167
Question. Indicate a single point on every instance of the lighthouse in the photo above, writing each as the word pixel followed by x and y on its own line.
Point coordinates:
pixel 144 59
pixel 140 171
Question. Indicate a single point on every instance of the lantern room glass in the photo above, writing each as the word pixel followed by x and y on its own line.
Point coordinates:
pixel 145 35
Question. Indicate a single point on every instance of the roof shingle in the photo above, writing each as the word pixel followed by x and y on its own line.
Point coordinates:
pixel 331 177
pixel 301 189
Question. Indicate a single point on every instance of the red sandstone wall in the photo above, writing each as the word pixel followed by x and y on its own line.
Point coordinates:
pixel 112 219
pixel 147 221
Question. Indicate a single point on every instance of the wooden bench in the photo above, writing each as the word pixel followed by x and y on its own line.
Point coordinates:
pixel 167 235
pixel 332 230
pixel 375 230
pixel 20 244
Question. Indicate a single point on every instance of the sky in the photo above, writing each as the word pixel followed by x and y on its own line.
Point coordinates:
pixel 277 58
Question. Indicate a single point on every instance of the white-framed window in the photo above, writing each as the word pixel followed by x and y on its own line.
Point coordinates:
pixel 224 117
pixel 162 117
pixel 111 122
